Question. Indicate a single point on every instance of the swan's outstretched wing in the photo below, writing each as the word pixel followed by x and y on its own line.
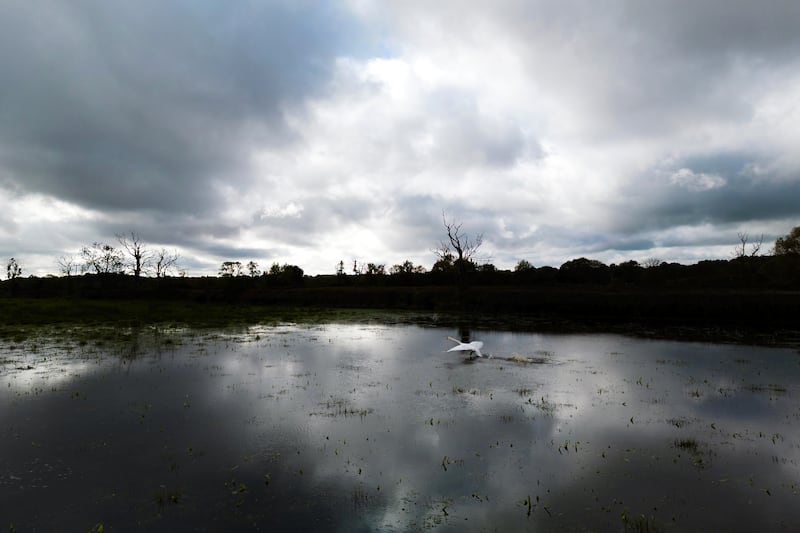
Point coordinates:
pixel 474 347
pixel 460 348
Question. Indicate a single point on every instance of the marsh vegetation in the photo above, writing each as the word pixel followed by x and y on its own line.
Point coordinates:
pixel 369 426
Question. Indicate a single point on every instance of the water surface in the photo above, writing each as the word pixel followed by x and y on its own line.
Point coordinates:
pixel 354 427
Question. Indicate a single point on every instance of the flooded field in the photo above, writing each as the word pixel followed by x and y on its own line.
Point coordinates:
pixel 357 427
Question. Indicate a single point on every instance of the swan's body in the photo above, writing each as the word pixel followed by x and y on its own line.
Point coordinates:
pixel 474 347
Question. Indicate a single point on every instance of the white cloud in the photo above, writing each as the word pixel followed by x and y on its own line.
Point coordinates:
pixel 687 179
pixel 290 210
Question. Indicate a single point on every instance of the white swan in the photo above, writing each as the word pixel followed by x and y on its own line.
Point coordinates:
pixel 474 347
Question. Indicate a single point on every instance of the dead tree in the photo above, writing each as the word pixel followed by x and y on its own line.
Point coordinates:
pixel 163 262
pixel 102 259
pixel 458 248
pixel 67 264
pixel 140 257
pixel 741 248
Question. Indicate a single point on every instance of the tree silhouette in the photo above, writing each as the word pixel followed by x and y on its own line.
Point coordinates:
pixel 252 269
pixel 67 264
pixel 407 267
pixel 741 248
pixel 230 269
pixel 375 269
pixel 13 270
pixel 164 261
pixel 523 266
pixel 102 258
pixel 457 248
pixel 140 257
pixel 789 244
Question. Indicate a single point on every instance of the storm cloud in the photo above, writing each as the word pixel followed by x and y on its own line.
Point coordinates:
pixel 313 132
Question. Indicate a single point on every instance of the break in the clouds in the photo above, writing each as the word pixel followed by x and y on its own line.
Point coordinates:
pixel 316 131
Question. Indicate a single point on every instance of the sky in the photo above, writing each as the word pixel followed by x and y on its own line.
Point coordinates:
pixel 313 131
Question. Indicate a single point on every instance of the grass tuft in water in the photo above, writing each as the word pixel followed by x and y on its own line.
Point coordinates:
pixel 639 523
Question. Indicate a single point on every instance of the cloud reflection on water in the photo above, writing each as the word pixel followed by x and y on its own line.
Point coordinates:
pixel 365 427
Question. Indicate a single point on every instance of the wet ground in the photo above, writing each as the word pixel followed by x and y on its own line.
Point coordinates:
pixel 355 427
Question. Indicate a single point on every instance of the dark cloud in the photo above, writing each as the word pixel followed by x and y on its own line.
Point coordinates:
pixel 729 195
pixel 243 254
pixel 697 203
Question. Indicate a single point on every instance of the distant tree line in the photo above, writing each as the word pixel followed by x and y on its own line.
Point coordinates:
pixel 758 292
pixel 456 261
pixel 284 274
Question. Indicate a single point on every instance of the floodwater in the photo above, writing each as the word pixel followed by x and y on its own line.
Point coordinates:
pixel 364 427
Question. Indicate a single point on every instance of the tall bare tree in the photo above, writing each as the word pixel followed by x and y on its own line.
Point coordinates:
pixel 140 256
pixel 741 248
pixel 163 262
pixel 458 246
pixel 67 264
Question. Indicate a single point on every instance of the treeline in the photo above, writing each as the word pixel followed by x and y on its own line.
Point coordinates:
pixel 774 272
pixel 758 294
pixel 779 272
pixel 751 292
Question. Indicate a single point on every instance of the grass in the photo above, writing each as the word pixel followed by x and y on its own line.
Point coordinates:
pixel 168 496
pixel 545 406
pixel 690 445
pixel 677 422
pixel 33 312
pixel 639 523
pixel 107 321
pixel 341 407
pixel 360 498
pixel 766 388
pixel 198 309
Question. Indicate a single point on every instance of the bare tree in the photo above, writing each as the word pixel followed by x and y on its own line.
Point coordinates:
pixel 651 262
pixel 163 262
pixel 102 258
pixel 741 248
pixel 140 256
pixel 67 264
pixel 458 246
